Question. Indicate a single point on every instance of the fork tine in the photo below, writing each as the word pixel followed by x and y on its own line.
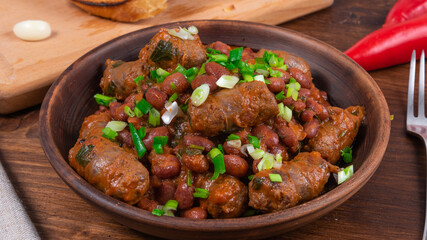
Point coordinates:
pixel 421 87
pixel 411 86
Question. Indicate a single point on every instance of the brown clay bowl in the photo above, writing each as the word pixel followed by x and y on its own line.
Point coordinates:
pixel 70 99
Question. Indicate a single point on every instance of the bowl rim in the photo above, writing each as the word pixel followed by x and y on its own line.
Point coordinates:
pixel 337 195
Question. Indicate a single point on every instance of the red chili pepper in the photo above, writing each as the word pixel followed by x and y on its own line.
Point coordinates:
pixel 404 10
pixel 391 45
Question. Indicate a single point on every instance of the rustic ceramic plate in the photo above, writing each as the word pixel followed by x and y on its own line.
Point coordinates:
pixel 70 99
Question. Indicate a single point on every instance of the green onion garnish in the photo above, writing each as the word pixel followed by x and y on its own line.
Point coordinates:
pixel 218 58
pixel 173 97
pixel 144 106
pixel 235 54
pixel 129 111
pixel 345 174
pixel 346 154
pixel 158 143
pixel 274 177
pixel 184 107
pixel 180 69
pixel 191 73
pixel 280 96
pixel 138 113
pixel 250 177
pixel 173 86
pixel 197 147
pixel 158 212
pixel 218 161
pixel 201 193
pixel 202 69
pixel 285 112
pixel 142 132
pixel 267 162
pixel 170 206
pixel 154 117
pixel 104 100
pixel 109 133
pixel 232 137
pixel 139 146
pixel 227 81
pixel 212 51
pixel 275 73
pixel 221 148
pixel 189 178
pixel 293 87
pixel 117 126
pixel 138 79
pixel 200 94
pixel 254 141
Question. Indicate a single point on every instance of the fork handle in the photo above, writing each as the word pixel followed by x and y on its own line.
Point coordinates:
pixel 425 220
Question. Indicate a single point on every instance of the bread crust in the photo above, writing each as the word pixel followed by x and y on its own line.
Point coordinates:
pixel 122 10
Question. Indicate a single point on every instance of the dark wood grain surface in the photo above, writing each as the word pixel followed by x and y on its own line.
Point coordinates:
pixel 390 206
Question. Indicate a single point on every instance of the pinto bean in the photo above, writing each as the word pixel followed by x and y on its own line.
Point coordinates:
pixel 199 141
pixel 279 149
pixel 178 79
pixel 311 128
pixel 216 70
pixel 184 195
pixel 133 98
pixel 255 166
pixel 154 132
pixel 276 85
pixel 304 92
pixel 205 79
pixel 195 213
pixel 165 192
pixel 299 105
pixel 183 98
pixel 307 115
pixel 235 165
pixel 117 111
pixel 222 47
pixel 301 77
pixel 316 107
pixel 165 166
pixel 156 98
pixel 268 136
pixel 126 138
pixel 288 137
pixel 196 163
pixel 231 150
pixel 324 114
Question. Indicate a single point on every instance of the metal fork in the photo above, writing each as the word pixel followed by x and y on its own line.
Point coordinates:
pixel 417 125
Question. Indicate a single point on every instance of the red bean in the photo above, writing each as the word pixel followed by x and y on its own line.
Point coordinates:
pixel 279 149
pixel 133 98
pixel 147 204
pixel 165 166
pixel 231 150
pixel 196 163
pixel 288 137
pixel 156 98
pixel 304 92
pixel 198 141
pixel 316 107
pixel 195 213
pixel 324 95
pixel 222 47
pixel 183 98
pixel 276 85
pixel 126 138
pixel 307 115
pixel 324 114
pixel 299 105
pixel 247 54
pixel 117 111
pixel 184 195
pixel 235 165
pixel 255 166
pixel 216 70
pixel 165 192
pixel 154 132
pixel 205 79
pixel 301 77
pixel 176 82
pixel 311 128
pixel 268 136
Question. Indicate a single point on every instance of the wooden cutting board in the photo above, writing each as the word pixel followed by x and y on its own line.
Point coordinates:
pixel 27 69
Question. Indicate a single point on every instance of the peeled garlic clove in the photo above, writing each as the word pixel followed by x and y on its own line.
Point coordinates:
pixel 32 30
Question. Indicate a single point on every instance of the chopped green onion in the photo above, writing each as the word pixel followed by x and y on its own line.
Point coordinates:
pixel 248 77
pixel 235 143
pixel 256 153
pixel 116 126
pixel 250 177
pixel 201 193
pixel 138 113
pixel 184 107
pixel 154 117
pixel 158 148
pixel 280 96
pixel 158 212
pixel 144 106
pixel 293 87
pixel 227 81
pixel 109 133
pixel 259 78
pixel 159 75
pixel 129 111
pixel 170 206
pixel 183 33
pixel 346 153
pixel 189 178
pixel 218 58
pixel 254 141
pixel 345 174
pixel 202 69
pixel 139 146
pixel 221 148
pixel 197 147
pixel 159 142
pixel 200 94
pixel 138 79
pixel 267 162
pixel 275 73
pixel 104 100
pixel 173 97
pixel 218 161
pixel 212 51
pixel 233 137
pixel 191 73
pixel 173 86
pixel 285 112
pixel 193 30
pixel 235 54
pixel 180 69
pixel 391 117
pixel 264 72
pixel 142 132
pixel 274 177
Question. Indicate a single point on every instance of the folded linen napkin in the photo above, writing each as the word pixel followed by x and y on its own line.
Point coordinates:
pixel 14 221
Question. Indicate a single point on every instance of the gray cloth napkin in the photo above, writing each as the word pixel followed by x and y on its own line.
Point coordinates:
pixel 14 221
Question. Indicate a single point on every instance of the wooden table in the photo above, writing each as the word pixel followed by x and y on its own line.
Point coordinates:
pixel 390 206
